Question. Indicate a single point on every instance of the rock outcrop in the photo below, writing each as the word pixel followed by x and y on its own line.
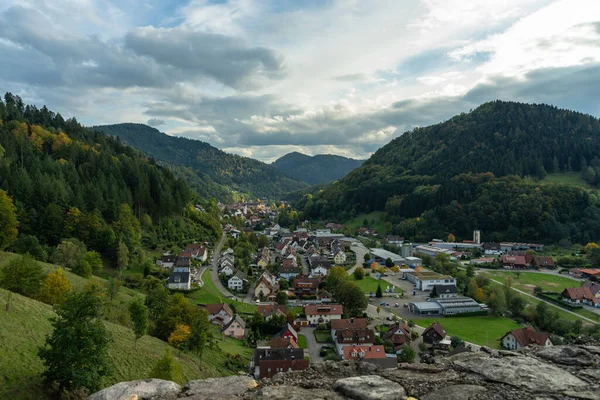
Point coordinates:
pixel 560 372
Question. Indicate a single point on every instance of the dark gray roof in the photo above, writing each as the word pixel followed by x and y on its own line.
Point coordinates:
pixel 446 289
pixel 238 319
pixel 278 354
pixel 179 277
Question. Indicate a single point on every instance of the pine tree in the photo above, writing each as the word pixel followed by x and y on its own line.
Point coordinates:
pixel 379 292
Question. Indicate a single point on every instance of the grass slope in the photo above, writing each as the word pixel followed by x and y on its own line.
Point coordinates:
pixel 376 221
pixel 569 178
pixel 484 331
pixel 25 327
pixel 527 281
pixel 209 294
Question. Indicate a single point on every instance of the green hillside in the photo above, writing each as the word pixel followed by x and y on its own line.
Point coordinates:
pixel 24 329
pixel 315 170
pixel 490 169
pixel 237 173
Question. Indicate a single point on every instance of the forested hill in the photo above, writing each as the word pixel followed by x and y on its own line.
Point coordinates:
pixel 315 170
pixel 237 173
pixel 68 182
pixel 479 170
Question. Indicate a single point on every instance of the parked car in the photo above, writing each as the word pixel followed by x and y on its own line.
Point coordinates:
pixel 396 297
pixel 382 303
pixel 396 305
pixel 405 305
pixel 389 318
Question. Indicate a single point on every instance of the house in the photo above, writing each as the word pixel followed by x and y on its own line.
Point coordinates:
pixel 167 260
pixel 183 261
pixel 594 288
pixel 543 262
pixel 319 266
pixel 219 314
pixel 269 362
pixel 577 295
pixel 348 337
pixel 516 339
pixel 434 334
pixel 349 323
pixel 306 286
pixel 237 281
pixel 446 291
pixel 197 251
pixel 283 343
pixel 180 279
pixel 514 262
pixel 266 286
pixel 227 270
pixel 288 332
pixel 340 257
pixel 236 328
pixel 370 354
pixel 490 248
pixel 288 271
pixel 320 314
pixel 269 310
pixel 398 334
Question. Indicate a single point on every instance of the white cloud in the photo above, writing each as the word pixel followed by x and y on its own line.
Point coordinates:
pixel 265 78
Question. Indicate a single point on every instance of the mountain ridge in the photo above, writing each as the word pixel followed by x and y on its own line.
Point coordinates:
pixel 235 172
pixel 317 169
pixel 478 170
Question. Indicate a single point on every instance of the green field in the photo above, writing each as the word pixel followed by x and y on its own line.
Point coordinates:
pixel 569 178
pixel 302 342
pixel 209 294
pixel 24 328
pixel 369 284
pixel 484 331
pixel 527 281
pixel 376 221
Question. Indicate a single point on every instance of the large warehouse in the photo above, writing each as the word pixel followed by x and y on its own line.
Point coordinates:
pixel 456 305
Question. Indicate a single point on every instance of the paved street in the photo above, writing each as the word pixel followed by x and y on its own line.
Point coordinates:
pixel 214 270
pixel 312 345
pixel 360 250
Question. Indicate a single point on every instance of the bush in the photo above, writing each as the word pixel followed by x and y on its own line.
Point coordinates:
pixel 414 335
pixel 332 357
pixel 407 355
pixel 411 323
pixel 422 347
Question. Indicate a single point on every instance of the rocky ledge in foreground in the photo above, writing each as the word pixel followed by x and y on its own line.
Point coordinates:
pixel 560 372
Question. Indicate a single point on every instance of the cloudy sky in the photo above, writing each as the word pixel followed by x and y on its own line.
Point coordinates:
pixel 263 78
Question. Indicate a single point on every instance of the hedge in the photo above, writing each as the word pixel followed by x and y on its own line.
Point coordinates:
pixel 467 314
pixel 547 296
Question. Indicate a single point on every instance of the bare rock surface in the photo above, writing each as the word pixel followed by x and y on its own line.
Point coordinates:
pixel 557 373
pixel 147 389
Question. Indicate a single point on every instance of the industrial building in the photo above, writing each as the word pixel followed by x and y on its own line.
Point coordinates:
pixel 449 306
pixel 426 280
pixel 380 255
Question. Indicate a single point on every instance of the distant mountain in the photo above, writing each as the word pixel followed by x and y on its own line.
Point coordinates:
pixel 482 170
pixel 234 172
pixel 315 170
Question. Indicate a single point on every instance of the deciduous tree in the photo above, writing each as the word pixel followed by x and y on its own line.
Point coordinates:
pixel 54 287
pixel 75 355
pixel 167 368
pixel 8 221
pixel 22 275
pixel 352 298
pixel 138 315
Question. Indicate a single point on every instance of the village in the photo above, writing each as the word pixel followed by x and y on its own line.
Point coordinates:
pixel 277 297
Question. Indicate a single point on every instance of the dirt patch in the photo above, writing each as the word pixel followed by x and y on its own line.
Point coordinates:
pixel 552 284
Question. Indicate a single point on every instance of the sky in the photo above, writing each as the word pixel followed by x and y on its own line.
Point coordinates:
pixel 264 78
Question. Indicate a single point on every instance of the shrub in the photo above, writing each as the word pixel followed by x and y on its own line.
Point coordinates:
pixel 414 335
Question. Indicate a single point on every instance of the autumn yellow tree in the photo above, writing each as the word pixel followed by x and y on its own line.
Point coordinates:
pixel 589 247
pixel 479 295
pixel 179 336
pixel 54 287
pixel 451 238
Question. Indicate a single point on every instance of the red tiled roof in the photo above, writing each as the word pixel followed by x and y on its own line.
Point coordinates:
pixel 527 336
pixel 330 309
pixel 267 309
pixel 282 343
pixel 516 260
pixel 216 308
pixel 590 271
pixel 370 352
pixel 578 293
pixel 352 323
pixel 439 329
